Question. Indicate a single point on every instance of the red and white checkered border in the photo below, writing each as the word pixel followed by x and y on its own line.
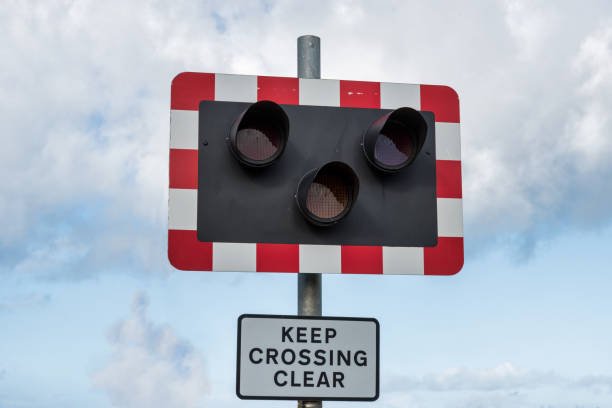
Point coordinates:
pixel 187 253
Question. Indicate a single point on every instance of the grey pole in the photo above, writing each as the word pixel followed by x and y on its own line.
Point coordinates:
pixel 309 56
pixel 309 284
pixel 309 66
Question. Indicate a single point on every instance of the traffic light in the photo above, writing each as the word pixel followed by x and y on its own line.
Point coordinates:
pixel 394 141
pixel 283 182
pixel 259 135
pixel 325 195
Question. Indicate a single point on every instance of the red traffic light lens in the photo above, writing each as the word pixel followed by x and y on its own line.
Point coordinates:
pixel 327 194
pixel 258 140
pixel 259 136
pixel 395 144
pixel 394 141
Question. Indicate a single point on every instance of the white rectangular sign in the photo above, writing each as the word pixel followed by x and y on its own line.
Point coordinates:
pixel 307 358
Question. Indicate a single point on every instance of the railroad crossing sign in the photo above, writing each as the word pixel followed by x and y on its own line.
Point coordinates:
pixel 307 358
pixel 271 174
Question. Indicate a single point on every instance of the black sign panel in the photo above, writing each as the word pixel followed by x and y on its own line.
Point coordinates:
pixel 237 203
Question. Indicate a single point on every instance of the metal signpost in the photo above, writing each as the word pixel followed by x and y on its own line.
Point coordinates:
pixel 309 285
pixel 312 176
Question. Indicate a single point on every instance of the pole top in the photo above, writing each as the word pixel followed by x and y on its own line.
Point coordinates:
pixel 309 56
pixel 309 37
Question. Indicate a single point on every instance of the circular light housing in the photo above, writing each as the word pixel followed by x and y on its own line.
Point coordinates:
pixel 394 141
pixel 327 194
pixel 259 136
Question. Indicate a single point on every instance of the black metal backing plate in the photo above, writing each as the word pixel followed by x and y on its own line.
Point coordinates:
pixel 240 204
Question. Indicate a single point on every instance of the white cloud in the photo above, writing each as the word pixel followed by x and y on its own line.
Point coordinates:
pixel 23 301
pixel 505 376
pixel 53 257
pixel 150 365
pixel 595 59
pixel 85 104
pixel 503 386
pixel 533 164
pixel 530 25
pixel 595 382
pixel 590 125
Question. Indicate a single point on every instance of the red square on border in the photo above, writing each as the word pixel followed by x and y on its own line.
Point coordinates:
pixel 278 258
pixel 359 94
pixel 189 88
pixel 448 179
pixel 185 252
pixel 183 168
pixel 443 101
pixel 361 259
pixel 279 90
pixel 446 258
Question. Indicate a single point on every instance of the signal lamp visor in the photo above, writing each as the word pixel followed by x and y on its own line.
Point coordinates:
pixel 259 136
pixel 394 141
pixel 327 194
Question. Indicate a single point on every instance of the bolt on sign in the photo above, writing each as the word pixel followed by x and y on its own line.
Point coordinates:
pixel 307 358
pixel 272 174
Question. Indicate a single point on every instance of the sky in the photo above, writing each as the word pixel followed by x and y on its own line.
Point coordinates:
pixel 91 312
